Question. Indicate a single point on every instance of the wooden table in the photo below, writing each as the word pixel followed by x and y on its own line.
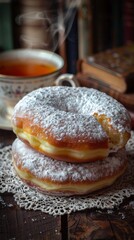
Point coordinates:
pixel 91 224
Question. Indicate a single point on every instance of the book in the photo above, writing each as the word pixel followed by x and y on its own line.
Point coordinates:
pixel 6 38
pixel 71 28
pixel 101 25
pixel 35 24
pixel 117 22
pixel 61 47
pixel 85 38
pixel 114 67
pixel 128 21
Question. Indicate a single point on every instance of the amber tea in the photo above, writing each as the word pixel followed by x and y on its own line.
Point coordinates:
pixel 25 68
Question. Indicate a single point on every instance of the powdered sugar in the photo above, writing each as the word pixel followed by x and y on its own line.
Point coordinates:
pixel 66 111
pixel 44 167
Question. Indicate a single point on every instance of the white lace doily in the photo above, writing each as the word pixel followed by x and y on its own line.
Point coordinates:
pixel 30 199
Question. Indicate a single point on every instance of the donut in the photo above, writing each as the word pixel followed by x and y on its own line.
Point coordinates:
pixel 61 178
pixel 73 124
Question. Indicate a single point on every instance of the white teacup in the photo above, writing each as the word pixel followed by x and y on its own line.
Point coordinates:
pixel 15 64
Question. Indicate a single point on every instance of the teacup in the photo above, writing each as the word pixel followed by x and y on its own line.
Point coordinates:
pixel 24 70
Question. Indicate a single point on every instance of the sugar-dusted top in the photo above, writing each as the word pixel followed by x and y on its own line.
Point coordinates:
pixel 44 167
pixel 69 111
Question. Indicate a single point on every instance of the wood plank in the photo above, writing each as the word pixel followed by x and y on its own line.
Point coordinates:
pixel 116 224
pixel 122 220
pixel 90 225
pixel 16 223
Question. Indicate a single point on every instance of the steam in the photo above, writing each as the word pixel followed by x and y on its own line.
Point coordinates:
pixel 48 29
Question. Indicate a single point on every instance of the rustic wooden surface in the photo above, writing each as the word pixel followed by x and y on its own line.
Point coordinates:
pixel 92 224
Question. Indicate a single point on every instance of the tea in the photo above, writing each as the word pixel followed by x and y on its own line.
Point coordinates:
pixel 25 68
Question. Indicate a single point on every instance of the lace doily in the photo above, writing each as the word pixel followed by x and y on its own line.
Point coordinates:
pixel 31 199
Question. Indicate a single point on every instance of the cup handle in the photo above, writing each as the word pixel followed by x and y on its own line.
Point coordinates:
pixel 67 79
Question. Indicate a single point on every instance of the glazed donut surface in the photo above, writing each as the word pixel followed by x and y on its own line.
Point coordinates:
pixel 71 124
pixel 62 178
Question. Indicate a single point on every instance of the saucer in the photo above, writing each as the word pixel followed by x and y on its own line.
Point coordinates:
pixel 5 122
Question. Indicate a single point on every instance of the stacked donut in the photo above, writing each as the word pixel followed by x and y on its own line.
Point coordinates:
pixel 70 140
